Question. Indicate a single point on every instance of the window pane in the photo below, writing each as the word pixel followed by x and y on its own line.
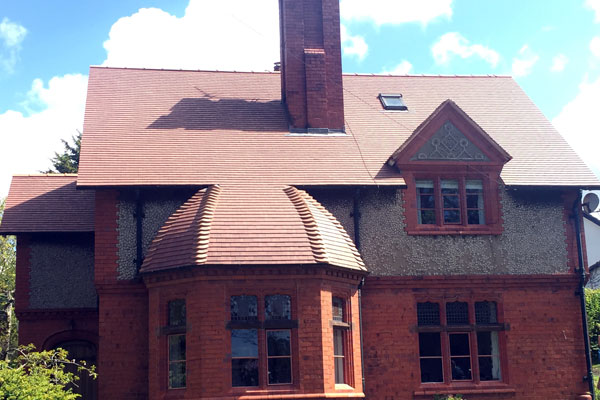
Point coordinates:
pixel 475 217
pixel 424 186
pixel 176 375
pixel 449 186
pixel 452 216
pixel 177 313
pixel 487 344
pixel 430 344
pixel 473 200
pixel 339 370
pixel 426 201
pixel 338 342
pixel 489 368
pixel 337 308
pixel 280 370
pixel 431 370
pixel 278 343
pixel 176 347
pixel 457 313
pixel 459 344
pixel 474 185
pixel 244 308
pixel 428 314
pixel 485 312
pixel 427 217
pixel 278 307
pixel 451 202
pixel 244 372
pixel 244 343
pixel 461 368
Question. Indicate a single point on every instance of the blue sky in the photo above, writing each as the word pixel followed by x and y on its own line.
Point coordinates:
pixel 551 47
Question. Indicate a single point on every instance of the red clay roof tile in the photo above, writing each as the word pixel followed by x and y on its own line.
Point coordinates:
pixel 197 127
pixel 251 224
pixel 47 203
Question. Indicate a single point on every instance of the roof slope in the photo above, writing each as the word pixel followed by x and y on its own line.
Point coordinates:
pixel 249 225
pixel 47 203
pixel 168 127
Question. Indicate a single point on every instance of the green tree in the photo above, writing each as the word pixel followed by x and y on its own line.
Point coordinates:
pixel 40 375
pixel 68 161
pixel 8 320
pixel 592 307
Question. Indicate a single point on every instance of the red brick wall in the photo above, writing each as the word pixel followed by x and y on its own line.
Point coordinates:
pixel 208 339
pixel 47 328
pixel 544 346
pixel 22 273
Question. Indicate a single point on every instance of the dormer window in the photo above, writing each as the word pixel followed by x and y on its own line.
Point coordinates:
pixel 392 102
pixel 452 171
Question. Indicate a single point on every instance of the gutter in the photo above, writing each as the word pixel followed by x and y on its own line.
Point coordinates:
pixel 581 292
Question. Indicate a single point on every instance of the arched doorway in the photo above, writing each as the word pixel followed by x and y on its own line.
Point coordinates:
pixel 82 350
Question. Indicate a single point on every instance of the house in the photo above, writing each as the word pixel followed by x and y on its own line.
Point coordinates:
pixel 591 226
pixel 308 234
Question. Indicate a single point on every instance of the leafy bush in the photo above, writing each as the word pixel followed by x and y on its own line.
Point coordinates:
pixel 448 397
pixel 592 306
pixel 39 375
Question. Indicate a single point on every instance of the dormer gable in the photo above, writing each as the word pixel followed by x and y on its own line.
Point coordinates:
pixel 449 136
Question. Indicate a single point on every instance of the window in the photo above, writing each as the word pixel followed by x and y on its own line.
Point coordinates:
pixel 176 341
pixel 459 342
pixel 247 334
pixel 341 336
pixel 392 102
pixel 450 202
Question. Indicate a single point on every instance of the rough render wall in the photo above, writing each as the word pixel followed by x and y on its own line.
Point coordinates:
pixel 533 241
pixel 62 272
pixel 158 207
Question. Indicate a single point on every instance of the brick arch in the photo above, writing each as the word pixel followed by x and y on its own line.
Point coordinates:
pixel 70 335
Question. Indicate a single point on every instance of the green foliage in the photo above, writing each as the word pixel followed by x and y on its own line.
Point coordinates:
pixel 39 375
pixel 448 397
pixel 592 306
pixel 68 161
pixel 8 321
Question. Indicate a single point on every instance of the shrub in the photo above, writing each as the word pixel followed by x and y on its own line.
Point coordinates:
pixel 592 306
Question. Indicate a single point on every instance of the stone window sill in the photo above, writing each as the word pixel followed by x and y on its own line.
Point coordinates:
pixel 465 389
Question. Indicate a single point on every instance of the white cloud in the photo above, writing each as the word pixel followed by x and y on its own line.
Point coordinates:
pixel 594 5
pixel 353 45
pixel 395 11
pixel 577 123
pixel 453 43
pixel 29 139
pixel 403 68
pixel 232 34
pixel 523 65
pixel 559 62
pixel 11 37
pixel 595 46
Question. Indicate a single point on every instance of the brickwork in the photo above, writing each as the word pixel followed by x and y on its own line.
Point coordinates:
pixel 543 350
pixel 22 273
pixel 48 328
pixel 207 297
pixel 105 256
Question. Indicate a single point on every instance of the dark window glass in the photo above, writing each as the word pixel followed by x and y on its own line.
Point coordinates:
pixel 457 313
pixel 475 207
pixel 338 309
pixel 279 356
pixel 451 201
pixel 431 370
pixel 177 313
pixel 486 313
pixel 392 101
pixel 425 202
pixel 244 308
pixel 430 344
pixel 338 354
pixel 176 361
pixel 460 356
pixel 489 356
pixel 430 355
pixel 428 314
pixel 244 354
pixel 278 307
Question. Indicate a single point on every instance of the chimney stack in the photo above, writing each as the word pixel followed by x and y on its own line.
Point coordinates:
pixel 311 65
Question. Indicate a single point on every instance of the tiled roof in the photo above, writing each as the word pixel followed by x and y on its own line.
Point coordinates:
pixel 155 127
pixel 47 203
pixel 251 224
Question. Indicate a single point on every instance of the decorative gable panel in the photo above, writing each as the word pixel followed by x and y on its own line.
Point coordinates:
pixel 449 144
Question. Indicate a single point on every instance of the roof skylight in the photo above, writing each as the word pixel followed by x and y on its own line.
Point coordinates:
pixel 392 102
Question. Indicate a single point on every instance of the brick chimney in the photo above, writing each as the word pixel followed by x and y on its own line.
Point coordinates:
pixel 311 65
